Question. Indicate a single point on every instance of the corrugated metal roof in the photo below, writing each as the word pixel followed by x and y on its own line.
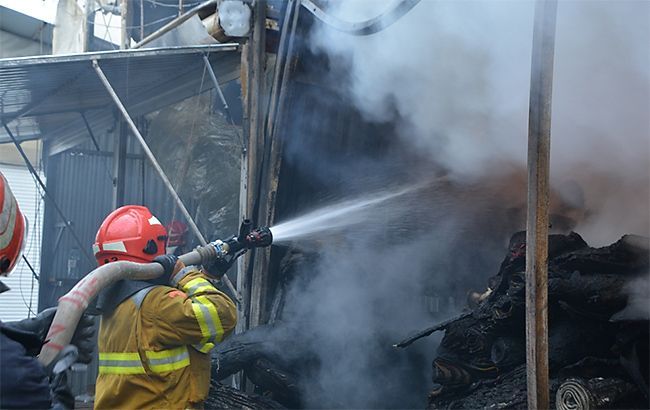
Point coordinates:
pixel 42 97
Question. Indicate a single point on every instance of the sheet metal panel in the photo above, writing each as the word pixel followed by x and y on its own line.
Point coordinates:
pixel 79 182
pixel 50 89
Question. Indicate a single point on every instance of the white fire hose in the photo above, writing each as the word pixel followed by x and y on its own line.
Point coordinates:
pixel 73 304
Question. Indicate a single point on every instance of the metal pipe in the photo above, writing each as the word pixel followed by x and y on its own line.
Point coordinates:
pixel 125 39
pixel 539 141
pixel 174 23
pixel 73 304
pixel 159 170
pixel 40 182
pixel 148 153
pixel 216 84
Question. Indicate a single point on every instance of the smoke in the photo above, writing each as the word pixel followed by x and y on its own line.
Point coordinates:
pixel 452 79
pixel 455 76
pixel 637 307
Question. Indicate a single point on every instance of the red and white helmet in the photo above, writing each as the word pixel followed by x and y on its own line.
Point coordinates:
pixel 176 231
pixel 13 229
pixel 130 233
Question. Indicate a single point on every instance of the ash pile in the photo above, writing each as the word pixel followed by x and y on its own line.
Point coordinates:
pixel 598 331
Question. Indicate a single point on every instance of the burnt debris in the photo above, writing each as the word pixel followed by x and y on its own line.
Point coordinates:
pixel 593 359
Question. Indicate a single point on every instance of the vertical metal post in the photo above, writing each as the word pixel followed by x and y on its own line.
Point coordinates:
pixel 539 141
pixel 89 25
pixel 180 7
pixel 125 42
pixel 119 165
pixel 141 19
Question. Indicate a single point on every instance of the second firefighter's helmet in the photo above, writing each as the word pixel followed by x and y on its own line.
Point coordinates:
pixel 130 233
pixel 13 229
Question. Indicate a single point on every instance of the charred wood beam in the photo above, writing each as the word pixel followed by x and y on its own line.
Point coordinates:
pixel 241 350
pixel 430 330
pixel 224 397
pixel 282 384
pixel 597 393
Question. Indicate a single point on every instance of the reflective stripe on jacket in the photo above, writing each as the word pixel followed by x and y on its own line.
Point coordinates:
pixel 157 355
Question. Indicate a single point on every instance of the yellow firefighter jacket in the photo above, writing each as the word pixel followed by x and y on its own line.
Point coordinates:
pixel 154 347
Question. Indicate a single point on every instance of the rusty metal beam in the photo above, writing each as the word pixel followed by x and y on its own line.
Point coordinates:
pixel 539 142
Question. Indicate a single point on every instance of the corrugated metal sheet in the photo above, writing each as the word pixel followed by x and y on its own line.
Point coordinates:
pixel 23 296
pixel 54 90
pixel 80 184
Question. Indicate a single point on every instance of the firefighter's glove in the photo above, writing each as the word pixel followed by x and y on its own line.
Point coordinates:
pixel 168 262
pixel 171 265
pixel 38 325
pixel 84 338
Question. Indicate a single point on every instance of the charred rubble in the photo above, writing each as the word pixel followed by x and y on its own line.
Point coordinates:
pixel 598 358
pixel 598 354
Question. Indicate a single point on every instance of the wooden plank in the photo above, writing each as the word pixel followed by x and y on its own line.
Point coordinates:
pixel 253 91
pixel 539 140
pixel 261 293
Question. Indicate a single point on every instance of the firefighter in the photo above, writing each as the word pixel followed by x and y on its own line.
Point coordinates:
pixel 24 382
pixel 176 241
pixel 155 336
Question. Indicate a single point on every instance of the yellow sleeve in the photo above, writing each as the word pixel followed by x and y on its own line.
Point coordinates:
pixel 194 313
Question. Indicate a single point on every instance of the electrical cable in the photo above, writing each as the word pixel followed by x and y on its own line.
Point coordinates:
pixel 31 268
pixel 362 28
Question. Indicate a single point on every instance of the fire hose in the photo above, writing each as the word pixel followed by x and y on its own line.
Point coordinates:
pixel 72 305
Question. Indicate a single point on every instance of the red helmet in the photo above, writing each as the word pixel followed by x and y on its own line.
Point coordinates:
pixel 130 233
pixel 176 231
pixel 13 229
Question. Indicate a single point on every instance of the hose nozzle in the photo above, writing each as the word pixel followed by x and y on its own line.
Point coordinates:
pixel 259 238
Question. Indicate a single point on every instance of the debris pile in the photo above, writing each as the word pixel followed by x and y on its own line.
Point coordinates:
pixel 598 355
pixel 598 347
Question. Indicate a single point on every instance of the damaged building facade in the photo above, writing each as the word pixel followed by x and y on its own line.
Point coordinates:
pixel 385 147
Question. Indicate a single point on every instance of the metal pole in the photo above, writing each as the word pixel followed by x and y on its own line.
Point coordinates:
pixel 216 84
pixel 148 153
pixel 89 25
pixel 40 182
pixel 180 8
pixel 119 166
pixel 539 141
pixel 124 37
pixel 159 170
pixel 141 20
pixel 226 108
pixel 174 23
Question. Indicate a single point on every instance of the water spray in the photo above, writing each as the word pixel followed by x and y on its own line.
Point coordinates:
pixel 336 216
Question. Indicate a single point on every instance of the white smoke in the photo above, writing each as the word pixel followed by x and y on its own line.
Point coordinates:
pixel 456 76
pixel 638 303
